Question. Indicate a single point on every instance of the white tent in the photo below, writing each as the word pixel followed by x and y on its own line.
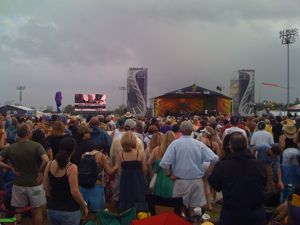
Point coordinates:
pixel 295 108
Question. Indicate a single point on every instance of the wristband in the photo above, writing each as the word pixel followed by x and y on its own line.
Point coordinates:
pixel 85 204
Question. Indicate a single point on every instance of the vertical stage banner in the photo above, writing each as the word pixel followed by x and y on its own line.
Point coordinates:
pixel 234 94
pixel 137 91
pixel 224 105
pixel 246 93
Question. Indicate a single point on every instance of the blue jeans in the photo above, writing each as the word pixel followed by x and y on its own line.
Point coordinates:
pixel 56 217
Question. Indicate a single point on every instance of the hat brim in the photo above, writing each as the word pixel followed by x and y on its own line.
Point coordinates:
pixel 206 131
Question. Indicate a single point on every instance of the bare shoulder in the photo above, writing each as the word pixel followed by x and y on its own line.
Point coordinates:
pixel 72 169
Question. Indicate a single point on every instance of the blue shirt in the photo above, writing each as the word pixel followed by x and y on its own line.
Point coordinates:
pixel 185 157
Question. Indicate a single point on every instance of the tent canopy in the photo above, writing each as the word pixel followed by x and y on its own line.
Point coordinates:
pixel 295 108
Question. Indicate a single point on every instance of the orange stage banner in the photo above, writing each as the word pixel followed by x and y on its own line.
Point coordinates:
pixel 167 105
pixel 224 106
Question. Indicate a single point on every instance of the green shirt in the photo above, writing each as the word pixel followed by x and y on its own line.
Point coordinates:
pixel 26 158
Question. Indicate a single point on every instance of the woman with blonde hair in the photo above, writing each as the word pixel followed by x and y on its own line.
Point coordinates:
pixel 163 184
pixel 131 163
pixel 209 138
pixel 154 142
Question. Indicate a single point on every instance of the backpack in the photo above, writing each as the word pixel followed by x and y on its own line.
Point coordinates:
pixel 88 171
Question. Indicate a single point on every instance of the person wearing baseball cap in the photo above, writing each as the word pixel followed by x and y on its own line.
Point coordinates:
pixel 185 156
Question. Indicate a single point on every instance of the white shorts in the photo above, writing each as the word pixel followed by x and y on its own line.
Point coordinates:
pixel 191 191
pixel 28 196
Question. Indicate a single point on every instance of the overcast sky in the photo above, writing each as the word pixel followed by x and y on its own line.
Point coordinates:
pixel 87 46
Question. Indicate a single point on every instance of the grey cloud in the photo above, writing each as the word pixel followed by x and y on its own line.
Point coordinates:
pixel 87 46
pixel 63 45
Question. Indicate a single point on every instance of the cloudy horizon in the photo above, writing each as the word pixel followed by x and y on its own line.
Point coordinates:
pixel 87 46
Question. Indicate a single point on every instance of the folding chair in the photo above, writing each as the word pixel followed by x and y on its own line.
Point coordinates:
pixel 158 205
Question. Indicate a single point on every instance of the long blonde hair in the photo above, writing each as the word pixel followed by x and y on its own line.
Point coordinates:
pixel 155 141
pixel 167 139
pixel 128 141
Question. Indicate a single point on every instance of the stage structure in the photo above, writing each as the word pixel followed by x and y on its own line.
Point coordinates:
pixel 191 100
pixel 137 91
pixel 242 93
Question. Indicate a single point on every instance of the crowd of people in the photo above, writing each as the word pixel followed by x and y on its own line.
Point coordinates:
pixel 73 166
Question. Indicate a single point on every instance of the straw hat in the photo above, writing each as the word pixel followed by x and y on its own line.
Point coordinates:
pixel 128 115
pixel 290 129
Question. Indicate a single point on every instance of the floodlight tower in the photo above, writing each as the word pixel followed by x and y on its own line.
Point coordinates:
pixel 288 37
pixel 123 89
pixel 20 88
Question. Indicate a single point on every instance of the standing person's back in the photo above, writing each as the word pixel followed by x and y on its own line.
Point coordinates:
pixel 277 129
pixel 29 159
pixel 61 186
pixel 85 144
pixel 242 180
pixel 163 185
pixel 57 134
pixel 100 136
pixel 185 157
pixel 261 136
pixel 132 163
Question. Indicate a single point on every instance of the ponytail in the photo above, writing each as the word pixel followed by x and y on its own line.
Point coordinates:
pixel 66 149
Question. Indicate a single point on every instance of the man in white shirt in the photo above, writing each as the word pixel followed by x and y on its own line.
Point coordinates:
pixel 234 120
pixel 261 136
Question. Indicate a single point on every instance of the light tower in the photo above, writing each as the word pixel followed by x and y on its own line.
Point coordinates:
pixel 123 89
pixel 20 88
pixel 288 37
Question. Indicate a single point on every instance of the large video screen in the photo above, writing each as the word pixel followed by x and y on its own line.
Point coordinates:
pixel 90 102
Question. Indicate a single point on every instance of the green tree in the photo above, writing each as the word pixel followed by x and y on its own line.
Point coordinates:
pixel 121 110
pixel 69 109
pixel 49 109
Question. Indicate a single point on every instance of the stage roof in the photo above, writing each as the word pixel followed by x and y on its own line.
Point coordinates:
pixel 193 90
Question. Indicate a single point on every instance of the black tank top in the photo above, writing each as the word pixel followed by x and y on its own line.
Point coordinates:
pixel 211 146
pixel 289 143
pixel 60 193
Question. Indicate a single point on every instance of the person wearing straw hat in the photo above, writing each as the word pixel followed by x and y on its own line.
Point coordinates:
pixel 286 140
pixel 290 163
